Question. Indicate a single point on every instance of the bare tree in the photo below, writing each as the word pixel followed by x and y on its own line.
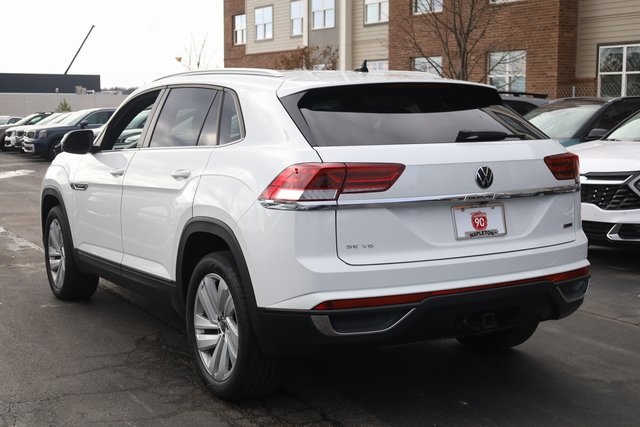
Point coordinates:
pixel 460 28
pixel 310 58
pixel 195 57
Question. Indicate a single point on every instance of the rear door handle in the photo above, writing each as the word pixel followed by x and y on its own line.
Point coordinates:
pixel 181 173
pixel 117 172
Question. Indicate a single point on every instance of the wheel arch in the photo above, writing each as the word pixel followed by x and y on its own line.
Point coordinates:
pixel 200 237
pixel 49 199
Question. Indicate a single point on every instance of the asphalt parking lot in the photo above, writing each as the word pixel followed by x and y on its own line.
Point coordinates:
pixel 110 361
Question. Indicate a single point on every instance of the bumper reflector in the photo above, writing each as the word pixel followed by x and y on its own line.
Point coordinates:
pixel 345 304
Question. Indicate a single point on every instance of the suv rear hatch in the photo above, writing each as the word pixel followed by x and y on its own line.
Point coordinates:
pixel 452 141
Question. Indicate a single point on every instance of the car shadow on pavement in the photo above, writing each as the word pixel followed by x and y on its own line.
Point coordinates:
pixel 616 258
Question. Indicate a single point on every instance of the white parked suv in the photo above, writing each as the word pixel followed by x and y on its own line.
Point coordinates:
pixel 293 211
pixel 610 175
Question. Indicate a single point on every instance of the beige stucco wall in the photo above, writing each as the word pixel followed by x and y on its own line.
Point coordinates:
pixel 282 39
pixel 604 22
pixel 22 104
pixel 370 42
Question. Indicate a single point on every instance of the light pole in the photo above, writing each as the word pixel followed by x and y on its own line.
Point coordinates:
pixel 74 56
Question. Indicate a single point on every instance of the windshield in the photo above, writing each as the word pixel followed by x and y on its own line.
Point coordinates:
pixel 629 131
pixel 29 120
pixel 50 119
pixel 562 123
pixel 60 117
pixel 73 118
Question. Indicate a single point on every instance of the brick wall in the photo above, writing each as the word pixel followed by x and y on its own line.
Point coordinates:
pixel 232 53
pixel 546 30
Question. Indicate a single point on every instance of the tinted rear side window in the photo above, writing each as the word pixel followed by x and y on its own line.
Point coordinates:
pixel 182 117
pixel 397 113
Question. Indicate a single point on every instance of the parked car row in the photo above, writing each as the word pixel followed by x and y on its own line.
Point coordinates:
pixel 31 119
pixel 14 135
pixel 43 136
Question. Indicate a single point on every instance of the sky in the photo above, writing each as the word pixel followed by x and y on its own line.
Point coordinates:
pixel 133 42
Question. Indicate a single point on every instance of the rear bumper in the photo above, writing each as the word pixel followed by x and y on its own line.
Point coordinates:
pixel 455 314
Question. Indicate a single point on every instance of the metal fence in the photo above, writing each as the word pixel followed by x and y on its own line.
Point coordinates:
pixel 578 89
pixel 610 88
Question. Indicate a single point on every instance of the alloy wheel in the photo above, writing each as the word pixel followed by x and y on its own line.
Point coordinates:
pixel 215 327
pixel 56 254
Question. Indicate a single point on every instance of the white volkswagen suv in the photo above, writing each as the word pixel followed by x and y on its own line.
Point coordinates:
pixel 288 211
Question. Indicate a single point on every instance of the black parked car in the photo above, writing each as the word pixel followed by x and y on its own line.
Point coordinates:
pixel 575 120
pixel 523 102
pixel 45 140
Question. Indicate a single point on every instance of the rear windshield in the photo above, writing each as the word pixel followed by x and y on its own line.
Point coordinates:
pixel 404 113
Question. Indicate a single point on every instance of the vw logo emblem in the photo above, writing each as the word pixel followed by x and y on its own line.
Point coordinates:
pixel 484 177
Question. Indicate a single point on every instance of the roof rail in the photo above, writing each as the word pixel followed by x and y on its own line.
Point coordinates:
pixel 244 71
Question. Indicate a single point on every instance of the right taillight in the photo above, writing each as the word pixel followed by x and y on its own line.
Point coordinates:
pixel 564 166
pixel 326 181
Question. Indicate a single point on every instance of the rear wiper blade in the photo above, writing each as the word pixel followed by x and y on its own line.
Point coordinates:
pixel 472 136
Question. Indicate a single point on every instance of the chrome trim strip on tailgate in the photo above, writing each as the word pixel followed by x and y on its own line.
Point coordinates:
pixel 452 198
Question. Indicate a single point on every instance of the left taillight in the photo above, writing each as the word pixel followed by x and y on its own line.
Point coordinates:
pixel 564 166
pixel 326 181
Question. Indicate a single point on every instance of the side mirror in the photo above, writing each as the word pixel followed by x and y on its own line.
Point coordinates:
pixel 84 124
pixel 78 141
pixel 596 133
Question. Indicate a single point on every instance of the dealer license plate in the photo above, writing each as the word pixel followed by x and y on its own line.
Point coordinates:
pixel 478 221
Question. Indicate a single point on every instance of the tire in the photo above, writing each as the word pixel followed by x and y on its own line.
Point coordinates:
pixel 499 340
pixel 65 279
pixel 226 353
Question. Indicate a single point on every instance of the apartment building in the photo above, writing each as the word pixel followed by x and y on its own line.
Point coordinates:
pixel 556 47
pixel 259 32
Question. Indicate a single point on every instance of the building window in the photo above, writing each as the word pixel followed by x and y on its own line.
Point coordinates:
pixel 264 23
pixel 427 6
pixel 240 29
pixel 324 14
pixel 619 70
pixel 507 70
pixel 296 18
pixel 430 64
pixel 380 65
pixel 376 11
